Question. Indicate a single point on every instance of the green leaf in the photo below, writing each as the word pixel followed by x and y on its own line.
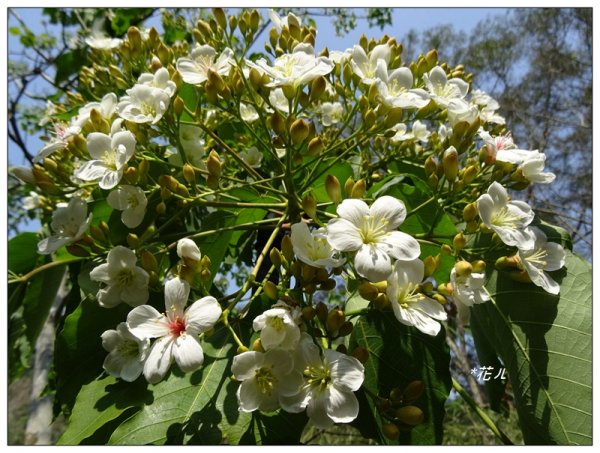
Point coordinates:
pixel 79 353
pixel 39 298
pixel 545 342
pixel 335 435
pixel 342 171
pixel 398 355
pixel 194 408
pixel 99 403
pixel 22 253
pixel 125 17
pixel 280 428
pixel 68 64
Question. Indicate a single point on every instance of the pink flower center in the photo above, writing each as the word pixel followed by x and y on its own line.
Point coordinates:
pixel 177 327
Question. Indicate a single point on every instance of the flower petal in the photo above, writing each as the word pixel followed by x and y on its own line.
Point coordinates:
pixel 317 410
pixel 187 353
pixel 202 315
pixel 343 235
pixel 245 364
pixel 249 397
pixel 399 245
pixel 353 210
pixel 372 263
pixel 176 296
pixel 389 208
pixel 159 360
pixel 342 407
pixel 146 322
pixel 347 372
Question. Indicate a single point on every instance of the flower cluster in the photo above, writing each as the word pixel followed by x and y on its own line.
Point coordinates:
pixel 192 144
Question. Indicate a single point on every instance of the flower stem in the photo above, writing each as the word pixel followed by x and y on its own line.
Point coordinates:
pixel 225 317
pixel 45 267
pixel 482 415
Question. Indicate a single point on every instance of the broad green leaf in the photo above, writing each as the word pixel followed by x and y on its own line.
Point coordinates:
pixel 194 408
pixel 68 64
pixel 39 298
pixel 545 342
pixel 398 355
pixel 335 435
pixel 22 253
pixel 341 170
pixel 79 353
pixel 99 403
pixel 280 428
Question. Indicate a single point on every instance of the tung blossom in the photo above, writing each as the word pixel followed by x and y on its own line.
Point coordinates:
pixel 160 79
pixel 313 248
pixel 544 256
pixel 176 332
pixel 330 380
pixel 132 201
pixel 126 353
pixel 125 282
pixel 107 108
pixel 252 156
pixel 371 232
pixel 69 222
pixel 468 290
pixel 508 219
pixel 144 104
pixel 294 69
pixel 265 377
pixel 203 58
pixel 365 66
pixel 278 327
pixel 62 133
pixel 109 156
pixel 331 113
pixel 412 307
pixel 443 90
pixel 395 88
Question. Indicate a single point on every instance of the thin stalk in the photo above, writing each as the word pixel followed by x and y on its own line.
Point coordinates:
pixel 45 267
pixel 481 414
pixel 225 318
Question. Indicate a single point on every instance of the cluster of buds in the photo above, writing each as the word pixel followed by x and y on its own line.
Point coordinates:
pixel 398 410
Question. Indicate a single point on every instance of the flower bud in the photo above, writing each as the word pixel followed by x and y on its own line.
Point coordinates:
pixel 275 257
pixel 321 311
pixel 450 163
pixel 391 431
pixel 257 346
pixel 381 302
pixel 470 212
pixel 361 354
pixel 148 261
pixel 459 242
pixel 438 297
pixel 335 319
pixel 278 124
pixel 309 204
pixel 328 285
pixel 345 329
pixel 188 251
pixel 445 289
pixel 430 166
pixel 463 268
pixel 287 248
pixel 332 186
pixel 212 182
pixel 393 117
pixel 299 131
pixel 161 208
pixel 359 189
pixel 446 250
pixel 370 118
pixel 368 291
pixel 77 250
pixel 430 265
pixel 315 146
pixel 433 180
pixel 411 415
pixel 504 262
pixel 133 241
pixel 213 164
pixel 270 289
pixel 220 17
pixel 308 273
pixel 317 88
pixel 308 313
pixel 479 266
pixel 188 173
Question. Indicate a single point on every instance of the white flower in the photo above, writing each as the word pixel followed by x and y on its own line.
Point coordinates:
pixel 330 381
pixel 62 133
pixel 419 132
pixel 533 170
pixel 278 327
pixel 468 289
pixel 410 306
pixel 459 110
pixel 444 132
pixel 279 23
pixel 544 256
pixel 176 332
pixel 508 219
pixel 107 108
pixel 312 247
pixel 253 157
pixel 132 201
pixel 294 69
pixel 187 250
pixel 143 104
pixel 103 42
pixel 371 232
pixel 488 115
pixel 194 70
pixel 126 353
pixel 125 281
pixel 443 90
pixel 248 113
pixel 331 113
pixel 69 222
pixel 339 57
pixel 32 201
pixel 264 377
pixel 192 141
pixel 483 99
pixel 395 89
pixel 109 156
pixel 160 79
pixel 366 67
pixel 279 101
